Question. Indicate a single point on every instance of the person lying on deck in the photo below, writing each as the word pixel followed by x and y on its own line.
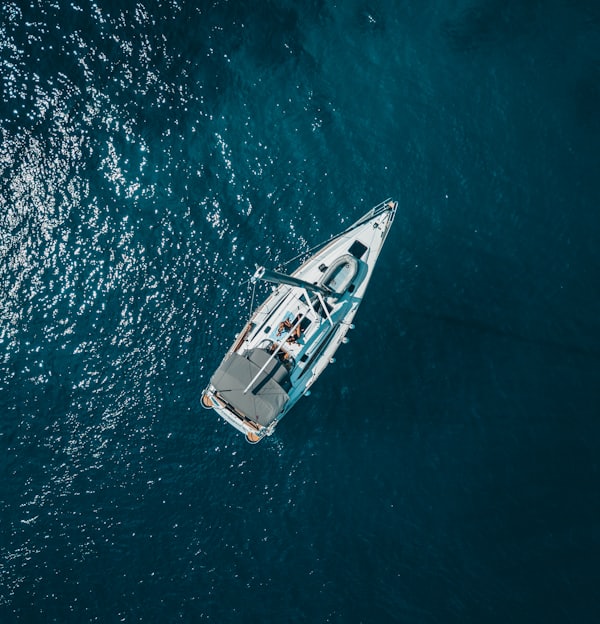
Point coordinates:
pixel 287 325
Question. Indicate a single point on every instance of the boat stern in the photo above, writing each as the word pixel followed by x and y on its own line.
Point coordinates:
pixel 254 433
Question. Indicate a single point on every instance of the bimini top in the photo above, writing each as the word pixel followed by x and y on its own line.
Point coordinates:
pixel 267 396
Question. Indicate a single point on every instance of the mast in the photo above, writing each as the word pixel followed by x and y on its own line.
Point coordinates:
pixel 281 278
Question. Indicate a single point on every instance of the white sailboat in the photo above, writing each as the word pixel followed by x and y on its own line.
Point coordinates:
pixel 292 337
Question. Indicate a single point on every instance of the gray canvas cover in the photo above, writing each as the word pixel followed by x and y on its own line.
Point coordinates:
pixel 267 396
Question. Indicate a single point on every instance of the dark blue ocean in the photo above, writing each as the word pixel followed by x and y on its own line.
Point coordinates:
pixel 446 468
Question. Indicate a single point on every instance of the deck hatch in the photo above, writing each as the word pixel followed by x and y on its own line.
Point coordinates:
pixel 357 249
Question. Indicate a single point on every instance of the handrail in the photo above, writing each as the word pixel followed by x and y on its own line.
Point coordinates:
pixel 275 352
pixel 379 208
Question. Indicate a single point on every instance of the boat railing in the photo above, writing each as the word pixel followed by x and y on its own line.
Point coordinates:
pixel 387 205
pixel 278 348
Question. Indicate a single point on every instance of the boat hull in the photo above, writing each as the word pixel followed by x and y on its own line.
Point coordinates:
pixel 294 334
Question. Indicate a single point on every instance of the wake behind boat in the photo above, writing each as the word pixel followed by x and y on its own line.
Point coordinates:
pixel 292 337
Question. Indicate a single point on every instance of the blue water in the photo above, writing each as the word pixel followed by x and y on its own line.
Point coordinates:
pixel 445 469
